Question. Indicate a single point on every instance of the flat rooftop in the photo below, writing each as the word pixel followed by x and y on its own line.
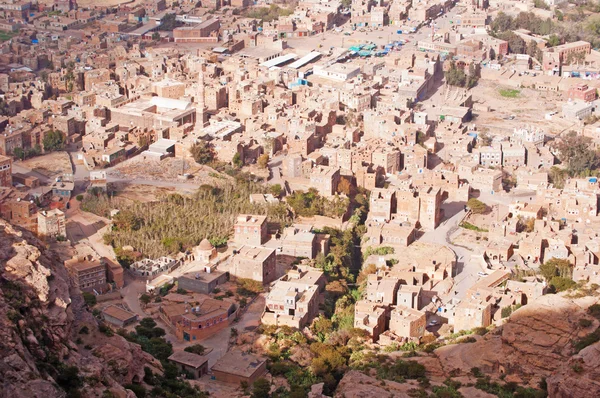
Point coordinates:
pixel 188 359
pixel 118 313
pixel 238 363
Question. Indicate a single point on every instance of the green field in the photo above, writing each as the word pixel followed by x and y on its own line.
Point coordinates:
pixel 4 36
pixel 509 93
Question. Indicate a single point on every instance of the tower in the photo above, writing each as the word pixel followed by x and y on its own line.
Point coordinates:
pixel 200 113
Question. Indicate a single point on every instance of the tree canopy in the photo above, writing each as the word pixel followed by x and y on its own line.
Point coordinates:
pixel 54 141
pixel 202 152
pixel 477 206
pixel 574 151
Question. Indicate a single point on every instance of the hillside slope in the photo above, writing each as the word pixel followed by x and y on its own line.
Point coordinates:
pixel 40 322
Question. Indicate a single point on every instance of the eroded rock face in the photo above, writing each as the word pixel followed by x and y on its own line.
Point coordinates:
pixel 39 321
pixel 536 343
pixel 355 384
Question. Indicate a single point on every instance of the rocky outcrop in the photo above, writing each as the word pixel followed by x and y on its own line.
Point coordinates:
pixel 355 384
pixel 536 343
pixel 40 317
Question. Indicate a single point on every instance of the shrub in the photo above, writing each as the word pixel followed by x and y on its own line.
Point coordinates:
pixel 84 330
pixel 79 197
pixel 476 372
pixel 195 349
pixel 481 331
pixel 202 152
pixel 401 370
pixel 477 206
pixel 106 330
pixel 263 161
pixel 145 299
pixel 89 298
pixel 138 390
pixel 594 310
pixel 561 284
pixel 588 340
pixel 261 388
pixel 54 141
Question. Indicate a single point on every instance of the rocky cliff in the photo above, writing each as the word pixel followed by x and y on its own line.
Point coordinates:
pixel 43 351
pixel 535 343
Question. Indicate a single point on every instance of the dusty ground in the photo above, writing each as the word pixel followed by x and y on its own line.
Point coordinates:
pixel 528 108
pixel 105 3
pixel 472 240
pixel 167 169
pixel 50 165
pixel 140 193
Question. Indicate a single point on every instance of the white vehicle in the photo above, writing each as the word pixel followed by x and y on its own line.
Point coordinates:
pixel 480 273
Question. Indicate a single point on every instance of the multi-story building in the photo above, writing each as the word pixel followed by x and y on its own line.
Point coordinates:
pixel 582 92
pixel 5 171
pixel 51 223
pixel 371 317
pixel 294 299
pixel 472 313
pixel 255 263
pixel 88 274
pixel 513 155
pixel 381 203
pixel 9 141
pixel 204 32
pixel 200 321
pixel 555 57
pixel 490 156
pixel 382 289
pixel 407 322
pixel 577 110
pixel 431 207
pixel 250 230
pixel 325 180
pixel 302 242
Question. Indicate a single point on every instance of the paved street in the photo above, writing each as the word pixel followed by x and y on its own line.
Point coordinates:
pixel 466 270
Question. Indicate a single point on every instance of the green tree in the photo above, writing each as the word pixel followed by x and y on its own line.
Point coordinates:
pixel 89 298
pixel 138 390
pixel 54 141
pixel 574 150
pixel 263 161
pixel 484 138
pixel 195 349
pixel 558 176
pixel 19 153
pixel 555 267
pixel 156 36
pixel 169 22
pixel 275 190
pixel 532 49
pixel 261 388
pixel 202 152
pixel 561 284
pixel 516 45
pixel 237 160
pixel 553 40
pixel 473 76
pixel 501 23
pixel 592 25
pixel 477 206
pixel 455 76
pixel 145 299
